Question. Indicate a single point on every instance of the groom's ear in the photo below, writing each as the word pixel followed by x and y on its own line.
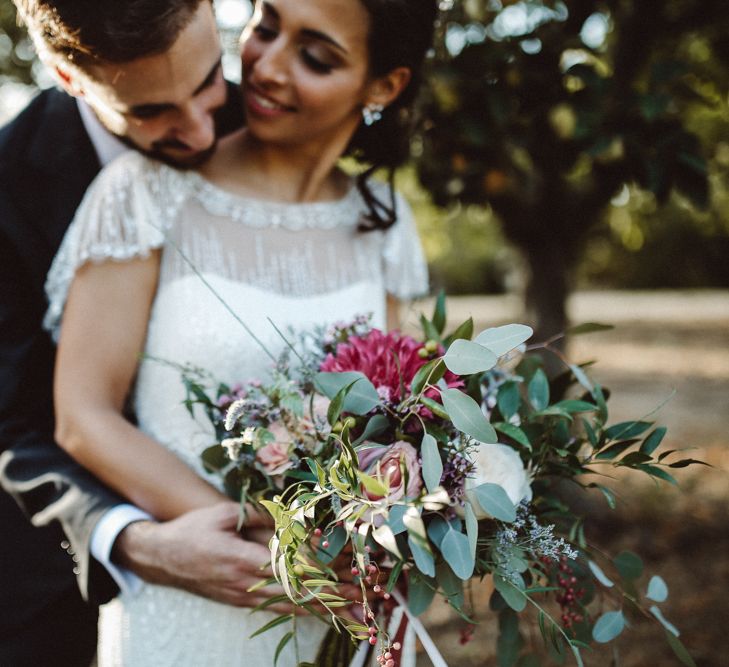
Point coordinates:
pixel 68 82
pixel 386 89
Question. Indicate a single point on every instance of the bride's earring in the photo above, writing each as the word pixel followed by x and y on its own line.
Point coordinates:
pixel 371 113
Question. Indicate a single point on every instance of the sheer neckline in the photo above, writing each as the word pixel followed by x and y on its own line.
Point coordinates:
pixel 204 184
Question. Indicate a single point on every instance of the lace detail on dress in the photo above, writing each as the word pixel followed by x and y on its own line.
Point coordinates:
pixel 299 250
pixel 261 214
pixel 124 214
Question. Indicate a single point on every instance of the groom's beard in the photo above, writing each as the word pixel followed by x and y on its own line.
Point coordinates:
pixel 158 152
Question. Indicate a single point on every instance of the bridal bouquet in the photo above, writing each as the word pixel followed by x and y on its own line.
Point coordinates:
pixel 427 463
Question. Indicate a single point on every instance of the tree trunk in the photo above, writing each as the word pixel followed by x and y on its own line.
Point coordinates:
pixel 548 286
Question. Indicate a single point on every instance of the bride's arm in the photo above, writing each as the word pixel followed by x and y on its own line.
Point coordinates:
pixel 104 328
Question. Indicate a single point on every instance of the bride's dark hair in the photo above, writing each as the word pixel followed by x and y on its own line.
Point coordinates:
pixel 400 34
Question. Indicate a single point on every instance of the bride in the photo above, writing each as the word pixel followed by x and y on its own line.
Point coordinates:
pixel 273 227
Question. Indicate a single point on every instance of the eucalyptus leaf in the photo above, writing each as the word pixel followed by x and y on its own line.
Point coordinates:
pixel 337 539
pixel 457 552
pixel 629 565
pixel 361 396
pixel 508 399
pixel 657 589
pixel 438 527
pixel 599 574
pixel 450 584
pixel 666 624
pixel 493 499
pixel 515 433
pixel 421 591
pixel 422 554
pixel 471 528
pixel 608 626
pixel 538 390
pixel 501 340
pixel 465 357
pixel 466 415
pixel 432 463
pixel 512 594
pixel 397 512
pixel 376 425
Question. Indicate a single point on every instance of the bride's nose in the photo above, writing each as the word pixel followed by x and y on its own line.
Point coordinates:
pixel 271 67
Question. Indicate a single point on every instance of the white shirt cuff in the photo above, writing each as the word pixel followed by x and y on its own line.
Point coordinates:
pixel 103 537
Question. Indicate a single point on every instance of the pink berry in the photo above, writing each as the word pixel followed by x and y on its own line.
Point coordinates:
pixel 317 532
pixel 390 663
pixel 396 646
pixel 372 630
pixel 373 640
pixel 355 571
pixel 377 588
pixel 372 568
pixel 368 579
pixel 325 543
pixel 388 656
pixel 386 596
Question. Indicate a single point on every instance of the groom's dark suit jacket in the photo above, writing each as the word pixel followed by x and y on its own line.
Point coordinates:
pixel 46 163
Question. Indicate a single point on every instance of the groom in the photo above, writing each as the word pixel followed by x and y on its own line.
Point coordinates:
pixel 137 74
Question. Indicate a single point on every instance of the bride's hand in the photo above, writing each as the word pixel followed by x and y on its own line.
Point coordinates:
pixel 201 552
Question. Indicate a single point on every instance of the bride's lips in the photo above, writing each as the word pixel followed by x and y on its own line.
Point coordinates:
pixel 261 104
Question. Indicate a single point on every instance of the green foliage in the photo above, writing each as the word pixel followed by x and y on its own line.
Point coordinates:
pixel 547 121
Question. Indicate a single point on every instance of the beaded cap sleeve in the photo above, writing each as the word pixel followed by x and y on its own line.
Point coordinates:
pixel 123 215
pixel 295 249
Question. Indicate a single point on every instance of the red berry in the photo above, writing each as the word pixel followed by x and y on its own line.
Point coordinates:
pixel 325 543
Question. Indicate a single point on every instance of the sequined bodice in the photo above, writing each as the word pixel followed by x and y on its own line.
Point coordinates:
pixel 288 265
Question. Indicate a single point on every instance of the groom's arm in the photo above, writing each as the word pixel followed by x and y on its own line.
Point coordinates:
pixel 50 486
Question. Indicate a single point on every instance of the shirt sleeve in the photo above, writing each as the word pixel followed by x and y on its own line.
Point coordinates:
pixel 104 535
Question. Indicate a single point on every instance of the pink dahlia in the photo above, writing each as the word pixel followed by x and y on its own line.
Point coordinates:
pixel 389 360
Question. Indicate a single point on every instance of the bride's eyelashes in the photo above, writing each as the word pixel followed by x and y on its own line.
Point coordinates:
pixel 314 63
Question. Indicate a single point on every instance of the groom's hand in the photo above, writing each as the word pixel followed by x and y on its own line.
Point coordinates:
pixel 201 552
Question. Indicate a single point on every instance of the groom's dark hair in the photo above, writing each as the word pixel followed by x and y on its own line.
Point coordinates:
pixel 85 32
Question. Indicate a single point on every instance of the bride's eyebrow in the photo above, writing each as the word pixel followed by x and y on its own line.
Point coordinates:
pixel 151 109
pixel 306 32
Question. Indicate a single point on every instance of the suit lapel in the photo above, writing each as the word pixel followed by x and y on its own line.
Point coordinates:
pixel 61 157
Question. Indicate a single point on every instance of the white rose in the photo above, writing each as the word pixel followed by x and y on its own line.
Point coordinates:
pixel 497 464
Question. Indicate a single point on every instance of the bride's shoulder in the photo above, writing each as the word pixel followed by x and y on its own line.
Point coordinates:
pixel 134 167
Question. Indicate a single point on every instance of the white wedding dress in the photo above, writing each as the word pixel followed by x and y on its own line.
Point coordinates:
pixel 299 265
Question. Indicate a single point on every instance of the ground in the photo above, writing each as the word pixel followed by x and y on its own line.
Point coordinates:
pixel 669 350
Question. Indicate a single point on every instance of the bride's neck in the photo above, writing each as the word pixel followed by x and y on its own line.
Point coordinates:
pixel 293 174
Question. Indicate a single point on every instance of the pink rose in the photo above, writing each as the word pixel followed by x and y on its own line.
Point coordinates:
pixel 274 456
pixel 396 466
